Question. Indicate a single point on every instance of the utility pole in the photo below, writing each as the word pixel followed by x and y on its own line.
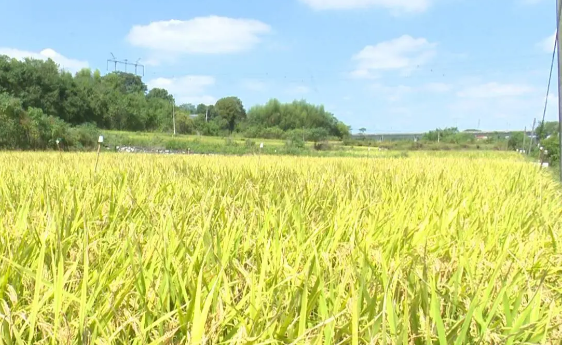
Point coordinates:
pixel 207 115
pixel 125 63
pixel 532 133
pixel 174 115
pixel 524 137
pixel 559 40
pixel 136 65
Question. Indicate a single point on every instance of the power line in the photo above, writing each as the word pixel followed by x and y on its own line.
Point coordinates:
pixel 549 77
pixel 559 9
pixel 124 62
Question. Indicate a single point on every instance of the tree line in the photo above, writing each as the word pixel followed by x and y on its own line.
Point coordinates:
pixel 40 103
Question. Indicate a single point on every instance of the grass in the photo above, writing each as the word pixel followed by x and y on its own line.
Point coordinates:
pixel 159 139
pixel 425 249
pixel 238 145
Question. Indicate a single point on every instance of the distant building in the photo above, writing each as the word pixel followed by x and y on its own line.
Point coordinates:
pixel 479 135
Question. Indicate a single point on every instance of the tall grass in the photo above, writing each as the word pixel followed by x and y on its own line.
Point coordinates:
pixel 278 250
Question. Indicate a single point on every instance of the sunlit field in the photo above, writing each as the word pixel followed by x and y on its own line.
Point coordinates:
pixel 446 248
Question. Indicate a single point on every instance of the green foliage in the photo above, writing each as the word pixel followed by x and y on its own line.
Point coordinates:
pixel 440 134
pixel 295 139
pixel 547 129
pixel 448 135
pixel 342 130
pixel 33 129
pixel 160 93
pixel 114 101
pixel 231 110
pixel 184 123
pixel 296 115
pixel 552 145
pixel 318 134
pixel 84 136
pixel 201 109
pixel 516 141
pixel 120 101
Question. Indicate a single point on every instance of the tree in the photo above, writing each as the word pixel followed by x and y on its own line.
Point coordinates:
pixel 160 93
pixel 184 123
pixel 292 116
pixel 318 134
pixel 450 134
pixel 362 130
pixel 552 146
pixel 201 109
pixel 546 129
pixel 516 141
pixel 343 130
pixel 125 82
pixel 42 95
pixel 231 110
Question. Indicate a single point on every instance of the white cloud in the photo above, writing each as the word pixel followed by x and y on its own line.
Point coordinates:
pixel 502 105
pixel 547 44
pixel 186 89
pixel 505 112
pixel 402 54
pixel 495 90
pixel 201 35
pixel 71 65
pixel 400 5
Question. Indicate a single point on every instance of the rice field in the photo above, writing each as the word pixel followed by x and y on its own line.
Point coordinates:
pixel 426 249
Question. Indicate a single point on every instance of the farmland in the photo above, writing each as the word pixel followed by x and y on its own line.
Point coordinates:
pixel 446 248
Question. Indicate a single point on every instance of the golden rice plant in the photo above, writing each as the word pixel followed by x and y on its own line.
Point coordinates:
pixel 425 249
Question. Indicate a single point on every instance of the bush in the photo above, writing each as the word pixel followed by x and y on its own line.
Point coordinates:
pixel 294 139
pixel 229 141
pixel 250 143
pixel 272 133
pixel 84 136
pixel 322 146
pixel 552 146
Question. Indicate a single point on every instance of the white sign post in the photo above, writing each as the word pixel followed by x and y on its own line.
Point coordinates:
pixel 100 141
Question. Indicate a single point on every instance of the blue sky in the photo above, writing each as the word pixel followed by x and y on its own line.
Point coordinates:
pixel 386 65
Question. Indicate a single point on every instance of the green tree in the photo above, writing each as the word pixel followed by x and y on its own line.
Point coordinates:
pixel 547 129
pixel 125 82
pixel 292 116
pixel 516 141
pixel 231 110
pixel 190 108
pixel 552 146
pixel 343 130
pixel 446 135
pixel 201 109
pixel 159 93
pixel 318 134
